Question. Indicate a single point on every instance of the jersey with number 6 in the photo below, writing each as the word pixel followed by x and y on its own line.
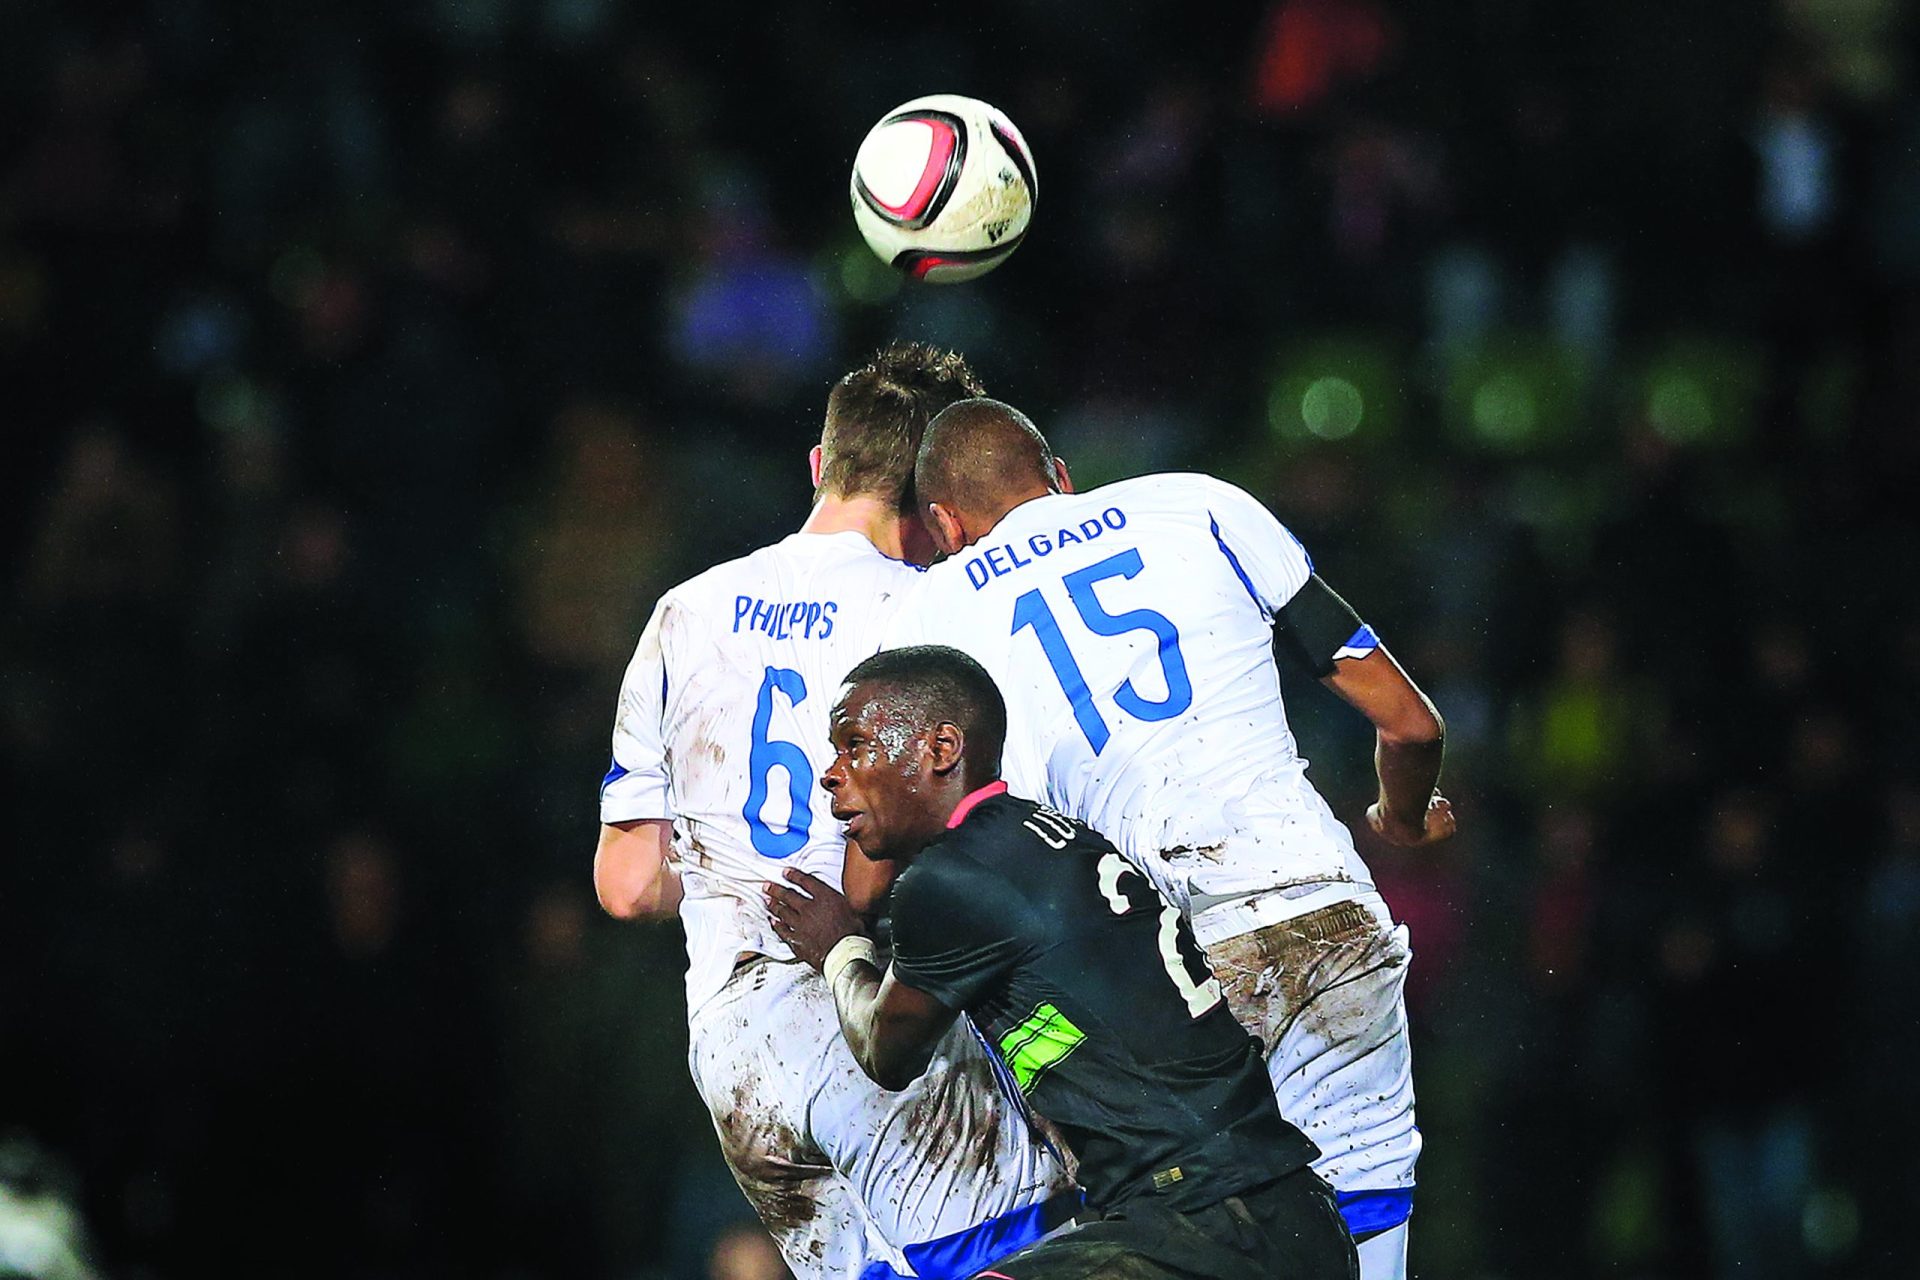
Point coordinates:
pixel 722 728
pixel 1130 629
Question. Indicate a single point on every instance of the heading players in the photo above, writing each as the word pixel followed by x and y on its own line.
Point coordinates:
pixel 1087 980
pixel 1132 630
pixel 720 735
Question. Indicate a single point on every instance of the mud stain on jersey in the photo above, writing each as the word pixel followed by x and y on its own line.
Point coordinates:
pixel 1293 970
pixel 704 755
pixel 772 1161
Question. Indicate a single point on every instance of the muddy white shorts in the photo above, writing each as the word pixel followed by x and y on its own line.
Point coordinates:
pixel 1318 977
pixel 936 1180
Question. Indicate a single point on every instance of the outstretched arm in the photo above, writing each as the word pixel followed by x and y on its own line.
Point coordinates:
pixel 1410 741
pixel 892 1028
pixel 1321 633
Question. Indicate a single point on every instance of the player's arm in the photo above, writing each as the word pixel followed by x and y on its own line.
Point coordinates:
pixel 632 874
pixel 865 880
pixel 891 1027
pixel 1320 633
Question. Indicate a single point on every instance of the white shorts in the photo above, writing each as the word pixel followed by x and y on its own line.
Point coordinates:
pixel 1319 979
pixel 845 1174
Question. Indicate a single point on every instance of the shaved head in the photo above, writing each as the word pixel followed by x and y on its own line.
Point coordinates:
pixel 981 458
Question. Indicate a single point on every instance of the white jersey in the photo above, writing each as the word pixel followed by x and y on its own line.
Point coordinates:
pixel 722 728
pixel 1130 630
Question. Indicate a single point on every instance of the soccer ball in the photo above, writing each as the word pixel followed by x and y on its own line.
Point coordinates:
pixel 943 188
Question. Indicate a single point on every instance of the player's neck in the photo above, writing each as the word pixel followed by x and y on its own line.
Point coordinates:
pixel 875 519
pixel 993 518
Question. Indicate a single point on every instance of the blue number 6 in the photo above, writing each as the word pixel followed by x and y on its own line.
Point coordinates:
pixel 761 759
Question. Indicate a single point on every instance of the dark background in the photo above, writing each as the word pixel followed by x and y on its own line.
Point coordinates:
pixel 367 368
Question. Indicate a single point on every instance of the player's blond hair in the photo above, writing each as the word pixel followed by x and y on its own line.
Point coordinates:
pixel 877 414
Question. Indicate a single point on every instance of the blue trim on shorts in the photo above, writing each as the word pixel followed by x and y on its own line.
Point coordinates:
pixel 1369 1211
pixel 964 1253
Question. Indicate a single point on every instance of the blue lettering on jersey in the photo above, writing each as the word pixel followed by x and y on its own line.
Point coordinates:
pixel 785 619
pixel 997 562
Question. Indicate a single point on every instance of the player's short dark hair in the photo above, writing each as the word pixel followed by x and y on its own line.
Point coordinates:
pixel 939 684
pixel 975 452
pixel 877 414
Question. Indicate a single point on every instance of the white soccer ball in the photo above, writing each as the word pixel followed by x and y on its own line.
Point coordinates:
pixel 943 188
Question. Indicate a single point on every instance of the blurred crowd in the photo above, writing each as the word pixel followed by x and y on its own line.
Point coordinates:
pixel 369 368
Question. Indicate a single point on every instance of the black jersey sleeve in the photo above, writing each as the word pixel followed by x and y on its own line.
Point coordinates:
pixel 956 929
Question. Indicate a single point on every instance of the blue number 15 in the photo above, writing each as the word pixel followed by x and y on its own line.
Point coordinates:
pixel 1031 610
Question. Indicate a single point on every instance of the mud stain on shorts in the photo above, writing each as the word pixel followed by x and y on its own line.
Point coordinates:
pixel 1282 973
pixel 958 1118
pixel 701 856
pixel 772 1161
pixel 1188 852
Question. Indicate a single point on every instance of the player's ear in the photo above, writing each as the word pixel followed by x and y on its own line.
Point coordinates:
pixel 1062 482
pixel 815 457
pixel 946 744
pixel 948 533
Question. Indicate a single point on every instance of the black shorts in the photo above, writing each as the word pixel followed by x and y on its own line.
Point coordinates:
pixel 1287 1230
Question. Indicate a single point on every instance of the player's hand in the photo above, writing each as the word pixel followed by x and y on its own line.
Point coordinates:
pixel 1438 824
pixel 813 921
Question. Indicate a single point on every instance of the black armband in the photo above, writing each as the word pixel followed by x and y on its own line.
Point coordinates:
pixel 1317 627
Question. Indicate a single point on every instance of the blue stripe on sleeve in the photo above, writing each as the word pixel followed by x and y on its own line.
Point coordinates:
pixel 1234 560
pixel 1306 554
pixel 1359 644
pixel 615 772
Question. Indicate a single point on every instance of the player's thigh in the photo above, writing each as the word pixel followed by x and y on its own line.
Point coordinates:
pixel 1324 993
pixel 754 1054
pixel 948 1152
pixel 1383 1256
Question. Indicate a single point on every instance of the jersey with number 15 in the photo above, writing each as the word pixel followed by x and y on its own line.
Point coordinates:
pixel 1130 629
pixel 722 728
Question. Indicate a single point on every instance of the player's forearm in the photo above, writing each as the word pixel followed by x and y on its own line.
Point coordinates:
pixel 1409 770
pixel 892 1059
pixel 662 898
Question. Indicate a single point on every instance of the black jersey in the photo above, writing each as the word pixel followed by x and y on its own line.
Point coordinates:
pixel 1093 992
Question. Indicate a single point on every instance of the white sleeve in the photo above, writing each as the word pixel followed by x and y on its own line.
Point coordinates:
pixel 636 783
pixel 1263 552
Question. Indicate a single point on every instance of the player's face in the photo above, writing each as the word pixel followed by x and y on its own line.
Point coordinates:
pixel 879 776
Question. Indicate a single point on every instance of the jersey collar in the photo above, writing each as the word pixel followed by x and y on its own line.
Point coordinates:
pixel 966 806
